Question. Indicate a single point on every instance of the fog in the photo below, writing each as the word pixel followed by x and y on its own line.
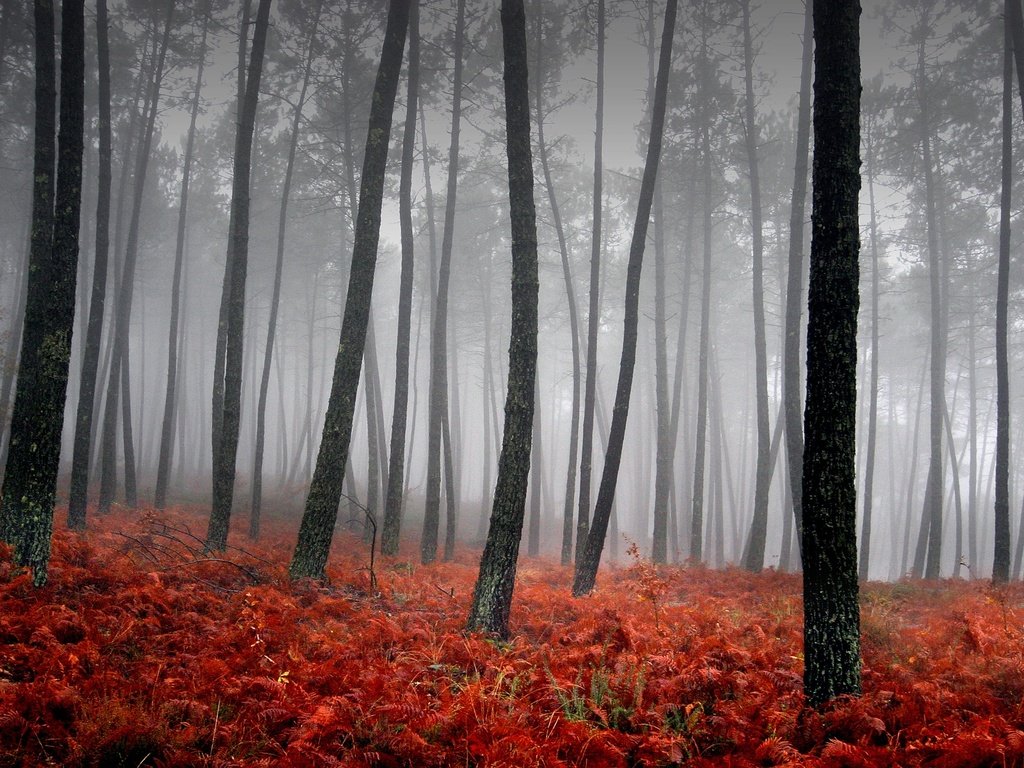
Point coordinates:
pixel 931 69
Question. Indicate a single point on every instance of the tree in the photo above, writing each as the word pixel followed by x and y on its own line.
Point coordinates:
pixel 753 556
pixel 317 527
pixel 590 381
pixel 233 316
pixel 399 417
pixel 30 479
pixel 438 404
pixel 1001 541
pixel 587 564
pixel 78 494
pixel 163 471
pixel 831 611
pixel 791 391
pixel 275 298
pixel 492 594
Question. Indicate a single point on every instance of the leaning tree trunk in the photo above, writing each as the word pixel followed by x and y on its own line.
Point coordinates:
pixel 831 611
pixel 753 557
pixel 226 447
pixel 1001 560
pixel 492 595
pixel 590 385
pixel 30 479
pixel 163 470
pixel 570 292
pixel 586 566
pixel 275 297
pixel 792 397
pixel 317 527
pixel 78 494
pixel 439 326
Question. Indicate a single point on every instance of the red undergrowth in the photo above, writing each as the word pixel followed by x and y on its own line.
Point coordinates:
pixel 140 653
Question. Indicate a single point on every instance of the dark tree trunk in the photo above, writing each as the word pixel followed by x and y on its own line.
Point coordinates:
pixel 492 595
pixel 30 479
pixel 439 325
pixel 237 262
pixel 932 512
pixel 831 611
pixel 275 297
pixel 219 359
pixel 117 382
pixel 1001 541
pixel 869 471
pixel 753 557
pixel 321 511
pixel 590 385
pixel 586 566
pixel 399 415
pixel 78 495
pixel 163 470
pixel 791 390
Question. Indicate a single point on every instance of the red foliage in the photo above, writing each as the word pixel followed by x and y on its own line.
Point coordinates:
pixel 138 652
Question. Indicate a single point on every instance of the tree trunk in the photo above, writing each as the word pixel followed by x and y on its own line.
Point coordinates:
pixel 697 513
pixel 275 298
pixel 321 510
pixel 590 386
pixel 587 564
pixel 1001 540
pixel 492 595
pixel 791 389
pixel 163 470
pixel 226 447
pixel 78 495
pixel 30 479
pixel 439 326
pixel 831 611
pixel 753 557
pixel 399 414
pixel 869 472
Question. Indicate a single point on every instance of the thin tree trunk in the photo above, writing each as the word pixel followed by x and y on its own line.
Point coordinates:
pixel 226 447
pixel 399 415
pixel 590 386
pixel 439 326
pixel 586 566
pixel 791 388
pixel 78 495
pixel 753 557
pixel 317 527
pixel 163 470
pixel 275 297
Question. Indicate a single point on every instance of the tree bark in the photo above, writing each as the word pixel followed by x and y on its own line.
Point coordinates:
pixel 226 447
pixel 831 611
pixel 317 527
pixel 78 495
pixel 492 595
pixel 586 566
pixel 30 479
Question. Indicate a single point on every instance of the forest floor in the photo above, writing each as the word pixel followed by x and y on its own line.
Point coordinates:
pixel 140 651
